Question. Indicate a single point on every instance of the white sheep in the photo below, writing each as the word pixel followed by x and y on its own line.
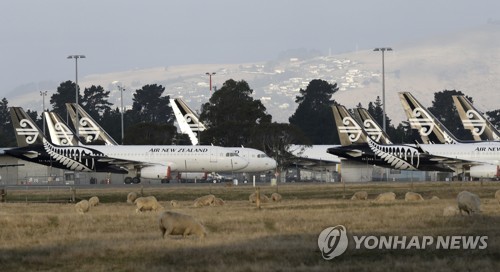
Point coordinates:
pixel 94 201
pixel 276 197
pixel 148 203
pixel 411 196
pixel 434 198
pixel 172 223
pixel 131 197
pixel 206 200
pixel 361 195
pixel 468 202
pixel 383 197
pixel 83 206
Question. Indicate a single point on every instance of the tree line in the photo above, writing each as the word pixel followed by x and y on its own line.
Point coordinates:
pixel 233 117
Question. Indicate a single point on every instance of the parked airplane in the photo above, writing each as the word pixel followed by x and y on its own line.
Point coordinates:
pixel 357 145
pixel 307 156
pixel 480 127
pixel 430 130
pixel 88 128
pixel 371 127
pixel 154 162
pixel 480 159
pixel 190 124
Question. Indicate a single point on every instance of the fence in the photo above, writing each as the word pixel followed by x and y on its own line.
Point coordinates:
pixel 38 194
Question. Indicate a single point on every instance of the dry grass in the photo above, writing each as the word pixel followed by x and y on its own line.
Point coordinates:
pixel 279 236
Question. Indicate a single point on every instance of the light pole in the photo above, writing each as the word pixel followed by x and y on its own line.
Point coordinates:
pixel 210 77
pixel 121 100
pixel 383 49
pixel 76 57
pixel 43 94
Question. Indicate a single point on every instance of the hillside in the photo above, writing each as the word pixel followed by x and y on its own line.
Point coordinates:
pixel 466 61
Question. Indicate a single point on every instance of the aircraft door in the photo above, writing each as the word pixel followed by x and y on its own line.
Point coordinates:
pixel 213 154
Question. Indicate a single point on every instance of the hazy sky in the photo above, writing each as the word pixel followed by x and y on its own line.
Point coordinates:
pixel 115 35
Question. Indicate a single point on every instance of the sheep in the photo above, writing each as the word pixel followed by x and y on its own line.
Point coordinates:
pixel 450 211
pixel 383 197
pixel 218 202
pixel 83 206
pixel 263 198
pixel 468 202
pixel 94 201
pixel 172 223
pixel 434 198
pixel 276 197
pixel 411 196
pixel 148 203
pixel 131 197
pixel 206 200
pixel 175 204
pixel 361 195
pixel 497 196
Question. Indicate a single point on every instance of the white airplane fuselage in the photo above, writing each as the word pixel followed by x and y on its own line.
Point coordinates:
pixel 178 158
pixel 258 161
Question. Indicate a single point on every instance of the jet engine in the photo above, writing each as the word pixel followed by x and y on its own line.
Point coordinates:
pixel 485 171
pixel 156 172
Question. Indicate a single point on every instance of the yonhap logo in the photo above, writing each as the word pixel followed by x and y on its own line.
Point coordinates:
pixel 333 242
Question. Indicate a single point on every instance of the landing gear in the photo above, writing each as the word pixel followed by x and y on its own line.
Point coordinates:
pixel 136 180
pixel 165 181
pixel 128 180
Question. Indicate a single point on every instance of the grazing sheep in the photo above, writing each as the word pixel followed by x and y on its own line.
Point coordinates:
pixel 434 198
pixel 411 196
pixel 497 196
pixel 450 211
pixel 361 195
pixel 218 202
pixel 172 223
pixel 468 202
pixel 94 201
pixel 276 197
pixel 175 204
pixel 148 203
pixel 206 200
pixel 263 198
pixel 83 206
pixel 384 197
pixel 131 197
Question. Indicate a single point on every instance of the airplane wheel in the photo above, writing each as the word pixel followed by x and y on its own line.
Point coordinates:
pixel 136 180
pixel 128 180
pixel 165 181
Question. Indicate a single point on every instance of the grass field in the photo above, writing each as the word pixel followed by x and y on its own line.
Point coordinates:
pixel 277 237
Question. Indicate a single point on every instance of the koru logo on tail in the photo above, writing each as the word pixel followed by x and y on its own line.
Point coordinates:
pixel 88 130
pixel 27 129
pixel 372 130
pixel 476 124
pixel 351 128
pixel 333 242
pixel 422 121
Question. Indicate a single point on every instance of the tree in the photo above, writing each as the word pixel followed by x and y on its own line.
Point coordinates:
pixel 95 102
pixel 376 110
pixel 146 133
pixel 232 115
pixel 275 140
pixel 314 114
pixel 7 137
pixel 65 94
pixel 444 110
pixel 149 106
